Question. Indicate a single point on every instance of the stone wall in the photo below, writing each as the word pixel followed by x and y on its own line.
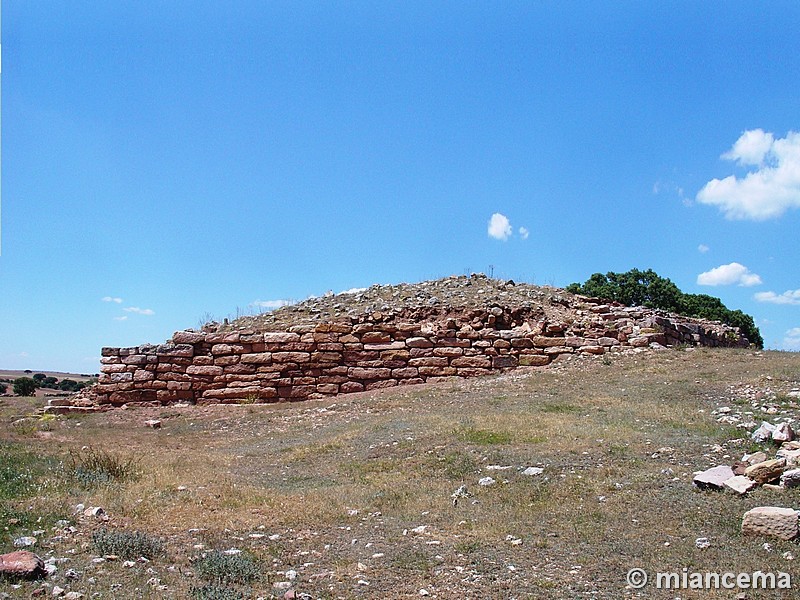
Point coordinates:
pixel 404 348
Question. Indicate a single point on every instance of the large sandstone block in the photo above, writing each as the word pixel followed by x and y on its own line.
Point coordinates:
pixel 547 342
pixel 472 361
pixel 504 362
pixel 376 337
pixel 281 337
pixel 428 361
pixel 533 360
pixel 380 384
pixel 21 564
pixel 334 328
pixel 771 521
pixel 398 345
pixel 295 357
pixel 369 373
pixel 452 352
pixel 188 337
pixel 185 350
pixel 419 342
pixel 204 370
pixel 766 471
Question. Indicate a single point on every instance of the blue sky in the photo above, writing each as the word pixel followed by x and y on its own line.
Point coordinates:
pixel 166 160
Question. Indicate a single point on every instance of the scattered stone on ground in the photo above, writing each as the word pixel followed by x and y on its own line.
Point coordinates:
pixel 771 521
pixel 21 564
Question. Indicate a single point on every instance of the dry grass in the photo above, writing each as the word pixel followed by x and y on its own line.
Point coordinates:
pixel 333 490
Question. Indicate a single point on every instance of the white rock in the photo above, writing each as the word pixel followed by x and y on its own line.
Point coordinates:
pixel 701 543
pixel 533 471
pixel 486 481
pixel 783 433
pixel 739 484
pixel 791 478
pixel 22 542
pixel 763 433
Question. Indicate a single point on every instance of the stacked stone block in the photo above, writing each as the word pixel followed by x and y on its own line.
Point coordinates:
pixel 378 351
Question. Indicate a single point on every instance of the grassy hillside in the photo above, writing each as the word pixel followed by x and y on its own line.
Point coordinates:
pixel 351 498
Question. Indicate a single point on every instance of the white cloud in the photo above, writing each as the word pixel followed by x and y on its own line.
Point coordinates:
pixel 787 297
pixel 524 233
pixel 122 318
pixel 271 304
pixel 728 275
pixel 111 299
pixel 499 227
pixel 139 311
pixel 702 248
pixel 751 148
pixel 791 341
pixel 767 191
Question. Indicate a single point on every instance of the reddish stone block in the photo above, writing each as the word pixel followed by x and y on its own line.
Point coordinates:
pixel 281 337
pixel 351 387
pixel 405 373
pixel 472 361
pixel 380 384
pixel 448 351
pixel 204 370
pixel 367 373
pixel 429 361
pixel 504 362
pixel 533 360
pixel 188 337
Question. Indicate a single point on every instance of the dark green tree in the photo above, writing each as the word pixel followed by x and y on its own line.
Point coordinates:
pixel 24 386
pixel 68 385
pixel 39 378
pixel 647 288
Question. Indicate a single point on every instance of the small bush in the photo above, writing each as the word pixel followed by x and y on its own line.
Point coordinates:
pixel 484 437
pixel 96 467
pixel 212 591
pixel 126 544
pixel 227 568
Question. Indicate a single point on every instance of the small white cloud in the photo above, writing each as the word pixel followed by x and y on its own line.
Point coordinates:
pixel 767 191
pixel 728 275
pixel 524 233
pixel 751 148
pixel 139 311
pixel 353 291
pixel 499 227
pixel 111 299
pixel 122 318
pixel 24 355
pixel 702 248
pixel 791 341
pixel 787 297
pixel 271 304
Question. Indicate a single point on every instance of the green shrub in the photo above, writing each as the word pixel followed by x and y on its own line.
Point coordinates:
pixel 96 467
pixel 484 437
pixel 126 544
pixel 227 568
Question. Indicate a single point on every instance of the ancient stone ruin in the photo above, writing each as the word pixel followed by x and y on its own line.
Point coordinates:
pixel 382 337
